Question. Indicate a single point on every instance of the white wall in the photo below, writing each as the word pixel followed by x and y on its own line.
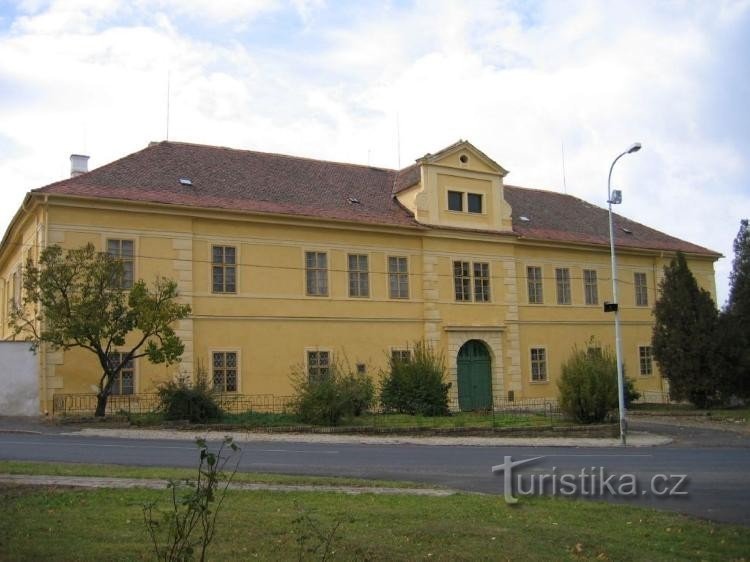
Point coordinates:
pixel 19 391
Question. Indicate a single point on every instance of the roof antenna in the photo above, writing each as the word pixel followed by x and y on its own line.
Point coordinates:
pixel 168 85
pixel 398 141
pixel 562 148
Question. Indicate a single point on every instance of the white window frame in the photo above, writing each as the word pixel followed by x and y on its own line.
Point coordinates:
pixel 651 360
pixel 135 374
pixel 359 275
pixel 120 239
pixel 594 286
pixel 540 281
pixel 318 350
pixel 398 275
pixel 562 286
pixel 641 290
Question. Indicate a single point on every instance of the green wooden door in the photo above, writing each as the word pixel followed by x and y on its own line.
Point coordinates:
pixel 474 377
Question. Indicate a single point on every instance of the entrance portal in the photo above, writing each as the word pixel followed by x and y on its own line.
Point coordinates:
pixel 474 376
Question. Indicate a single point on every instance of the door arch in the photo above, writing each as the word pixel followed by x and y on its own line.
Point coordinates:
pixel 474 376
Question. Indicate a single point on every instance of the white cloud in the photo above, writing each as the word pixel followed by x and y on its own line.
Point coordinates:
pixel 518 82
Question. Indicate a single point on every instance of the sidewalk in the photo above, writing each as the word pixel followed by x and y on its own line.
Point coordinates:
pixel 40 426
pixel 634 439
pixel 156 484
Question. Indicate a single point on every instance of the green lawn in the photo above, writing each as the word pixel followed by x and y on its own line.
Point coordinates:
pixel 65 525
pixel 741 414
pixel 459 420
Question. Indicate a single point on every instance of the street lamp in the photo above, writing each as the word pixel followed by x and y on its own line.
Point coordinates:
pixel 615 198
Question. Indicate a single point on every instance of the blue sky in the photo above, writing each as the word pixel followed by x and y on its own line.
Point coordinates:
pixel 333 79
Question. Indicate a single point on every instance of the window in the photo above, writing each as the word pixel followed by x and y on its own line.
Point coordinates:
pixel 562 276
pixel 224 364
pixel 123 251
pixel 316 273
pixel 462 280
pixel 474 201
pixel 646 360
pixel 318 365
pixel 398 277
pixel 463 272
pixel 14 300
pixel 481 282
pixel 538 364
pixel 124 383
pixel 641 289
pixel 361 369
pixel 359 276
pixel 590 286
pixel 534 277
pixel 455 201
pixel 224 266
pixel 401 355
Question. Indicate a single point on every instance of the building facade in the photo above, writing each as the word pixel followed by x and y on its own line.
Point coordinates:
pixel 292 264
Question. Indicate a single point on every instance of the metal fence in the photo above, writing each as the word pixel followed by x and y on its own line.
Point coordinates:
pixel 486 412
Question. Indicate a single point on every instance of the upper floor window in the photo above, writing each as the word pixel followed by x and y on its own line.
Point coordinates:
pixel 316 273
pixel 318 365
pixel 534 281
pixel 359 275
pixel 398 277
pixel 463 274
pixel 224 370
pixel 455 201
pixel 641 289
pixel 224 267
pixel 646 360
pixel 590 286
pixel 538 364
pixel 123 251
pixel 562 277
pixel 474 201
pixel 124 383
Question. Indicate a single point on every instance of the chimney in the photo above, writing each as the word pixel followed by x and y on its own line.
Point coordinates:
pixel 79 164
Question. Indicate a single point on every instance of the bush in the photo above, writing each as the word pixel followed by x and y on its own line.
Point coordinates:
pixel 341 393
pixel 416 386
pixel 588 385
pixel 180 400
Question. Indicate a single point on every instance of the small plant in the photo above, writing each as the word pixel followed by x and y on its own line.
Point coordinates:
pixel 190 524
pixel 182 400
pixel 588 384
pixel 416 386
pixel 327 400
pixel 313 539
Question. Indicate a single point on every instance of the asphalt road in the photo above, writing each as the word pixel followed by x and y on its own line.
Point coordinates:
pixel 715 484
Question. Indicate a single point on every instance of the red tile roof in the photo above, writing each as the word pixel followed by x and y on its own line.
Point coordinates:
pixel 251 181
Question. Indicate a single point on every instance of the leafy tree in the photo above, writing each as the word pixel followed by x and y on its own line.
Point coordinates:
pixel 73 299
pixel 684 337
pixel 588 384
pixel 735 321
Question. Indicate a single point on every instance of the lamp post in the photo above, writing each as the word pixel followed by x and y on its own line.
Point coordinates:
pixel 615 199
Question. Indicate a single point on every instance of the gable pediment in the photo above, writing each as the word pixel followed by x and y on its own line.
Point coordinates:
pixel 463 155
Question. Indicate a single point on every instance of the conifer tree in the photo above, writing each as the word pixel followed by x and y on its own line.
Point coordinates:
pixel 684 338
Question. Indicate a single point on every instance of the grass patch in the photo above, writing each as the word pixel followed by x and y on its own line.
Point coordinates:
pixel 61 524
pixel 741 414
pixel 458 420
pixel 118 471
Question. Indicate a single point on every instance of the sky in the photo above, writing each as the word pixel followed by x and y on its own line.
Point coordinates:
pixel 551 90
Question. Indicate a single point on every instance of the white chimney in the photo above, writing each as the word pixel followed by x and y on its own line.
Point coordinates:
pixel 79 164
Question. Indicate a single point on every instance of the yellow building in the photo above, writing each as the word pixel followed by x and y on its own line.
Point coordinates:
pixel 292 263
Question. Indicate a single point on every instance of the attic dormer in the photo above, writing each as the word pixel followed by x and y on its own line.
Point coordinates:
pixel 459 186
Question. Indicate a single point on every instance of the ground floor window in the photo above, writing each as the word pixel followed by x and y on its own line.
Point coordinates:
pixel 538 364
pixel 318 365
pixel 125 380
pixel 224 370
pixel 401 355
pixel 646 360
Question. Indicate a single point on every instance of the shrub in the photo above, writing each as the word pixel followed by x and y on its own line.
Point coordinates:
pixel 416 386
pixel 588 385
pixel 180 400
pixel 328 400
